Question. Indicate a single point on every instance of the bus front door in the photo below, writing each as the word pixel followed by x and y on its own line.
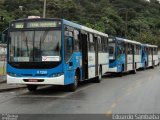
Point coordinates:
pixel 84 56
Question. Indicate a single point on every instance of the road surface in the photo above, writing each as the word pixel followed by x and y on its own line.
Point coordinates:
pixel 131 93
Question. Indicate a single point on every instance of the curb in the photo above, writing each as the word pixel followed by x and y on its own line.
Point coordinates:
pixel 10 89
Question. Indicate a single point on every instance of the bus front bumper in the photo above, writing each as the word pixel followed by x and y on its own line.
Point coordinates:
pixel 36 81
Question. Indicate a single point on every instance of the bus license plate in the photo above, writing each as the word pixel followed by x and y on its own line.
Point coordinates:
pixel 32 80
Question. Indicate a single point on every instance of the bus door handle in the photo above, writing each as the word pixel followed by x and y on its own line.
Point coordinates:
pixel 70 63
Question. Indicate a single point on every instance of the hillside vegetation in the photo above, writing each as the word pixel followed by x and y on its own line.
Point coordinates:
pixel 133 19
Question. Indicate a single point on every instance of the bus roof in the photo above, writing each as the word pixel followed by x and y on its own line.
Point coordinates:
pixel 78 26
pixel 69 23
pixel 128 41
pixel 148 45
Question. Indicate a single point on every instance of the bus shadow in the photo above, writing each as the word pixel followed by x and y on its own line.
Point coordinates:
pixel 56 90
pixel 115 75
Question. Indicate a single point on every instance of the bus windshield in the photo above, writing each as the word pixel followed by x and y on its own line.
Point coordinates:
pixel 35 46
pixel 111 48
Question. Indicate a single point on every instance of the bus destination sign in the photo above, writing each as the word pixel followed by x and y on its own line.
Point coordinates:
pixel 36 24
pixel 19 25
pixel 41 24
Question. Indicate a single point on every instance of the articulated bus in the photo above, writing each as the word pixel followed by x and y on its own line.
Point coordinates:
pixel 149 55
pixel 124 55
pixel 55 52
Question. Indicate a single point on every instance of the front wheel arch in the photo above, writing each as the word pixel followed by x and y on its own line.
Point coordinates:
pixel 72 87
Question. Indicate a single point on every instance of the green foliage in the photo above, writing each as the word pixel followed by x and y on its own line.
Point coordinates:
pixel 132 19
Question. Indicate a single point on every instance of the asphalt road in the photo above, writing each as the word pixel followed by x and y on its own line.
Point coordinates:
pixel 131 93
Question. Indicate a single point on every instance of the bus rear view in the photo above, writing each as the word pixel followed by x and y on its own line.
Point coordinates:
pixel 34 51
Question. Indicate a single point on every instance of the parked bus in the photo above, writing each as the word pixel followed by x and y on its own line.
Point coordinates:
pixel 124 55
pixel 55 52
pixel 149 55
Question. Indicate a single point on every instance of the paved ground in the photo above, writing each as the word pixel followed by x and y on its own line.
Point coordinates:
pixel 6 87
pixel 128 94
pixel 2 79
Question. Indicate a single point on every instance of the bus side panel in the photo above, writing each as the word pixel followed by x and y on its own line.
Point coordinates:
pixel 129 62
pixel 149 60
pixel 138 61
pixel 120 62
pixel 91 64
pixel 71 66
pixel 155 58
pixel 144 59
pixel 103 60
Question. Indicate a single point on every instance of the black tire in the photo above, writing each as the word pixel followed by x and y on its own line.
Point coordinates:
pixel 120 74
pixel 32 88
pixel 99 78
pixel 73 87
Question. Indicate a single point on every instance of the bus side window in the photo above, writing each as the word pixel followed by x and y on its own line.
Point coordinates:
pixel 68 44
pixel 100 48
pixel 124 48
pixel 91 43
pixel 76 40
pixel 69 47
pixel 128 49
pixel 118 48
pixel 137 50
pixel 106 44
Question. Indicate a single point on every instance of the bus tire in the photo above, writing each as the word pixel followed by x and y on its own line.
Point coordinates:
pixel 32 88
pixel 72 87
pixel 99 78
pixel 120 74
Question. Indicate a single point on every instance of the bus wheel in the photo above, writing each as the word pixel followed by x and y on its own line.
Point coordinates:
pixel 32 88
pixel 120 74
pixel 99 78
pixel 72 87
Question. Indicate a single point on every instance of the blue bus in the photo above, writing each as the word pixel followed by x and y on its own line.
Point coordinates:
pixel 124 55
pixel 149 56
pixel 49 51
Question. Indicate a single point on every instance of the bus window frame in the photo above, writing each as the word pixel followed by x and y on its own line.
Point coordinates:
pixel 70 30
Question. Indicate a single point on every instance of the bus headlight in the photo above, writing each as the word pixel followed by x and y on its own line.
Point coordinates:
pixel 13 74
pixel 57 74
pixel 54 75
